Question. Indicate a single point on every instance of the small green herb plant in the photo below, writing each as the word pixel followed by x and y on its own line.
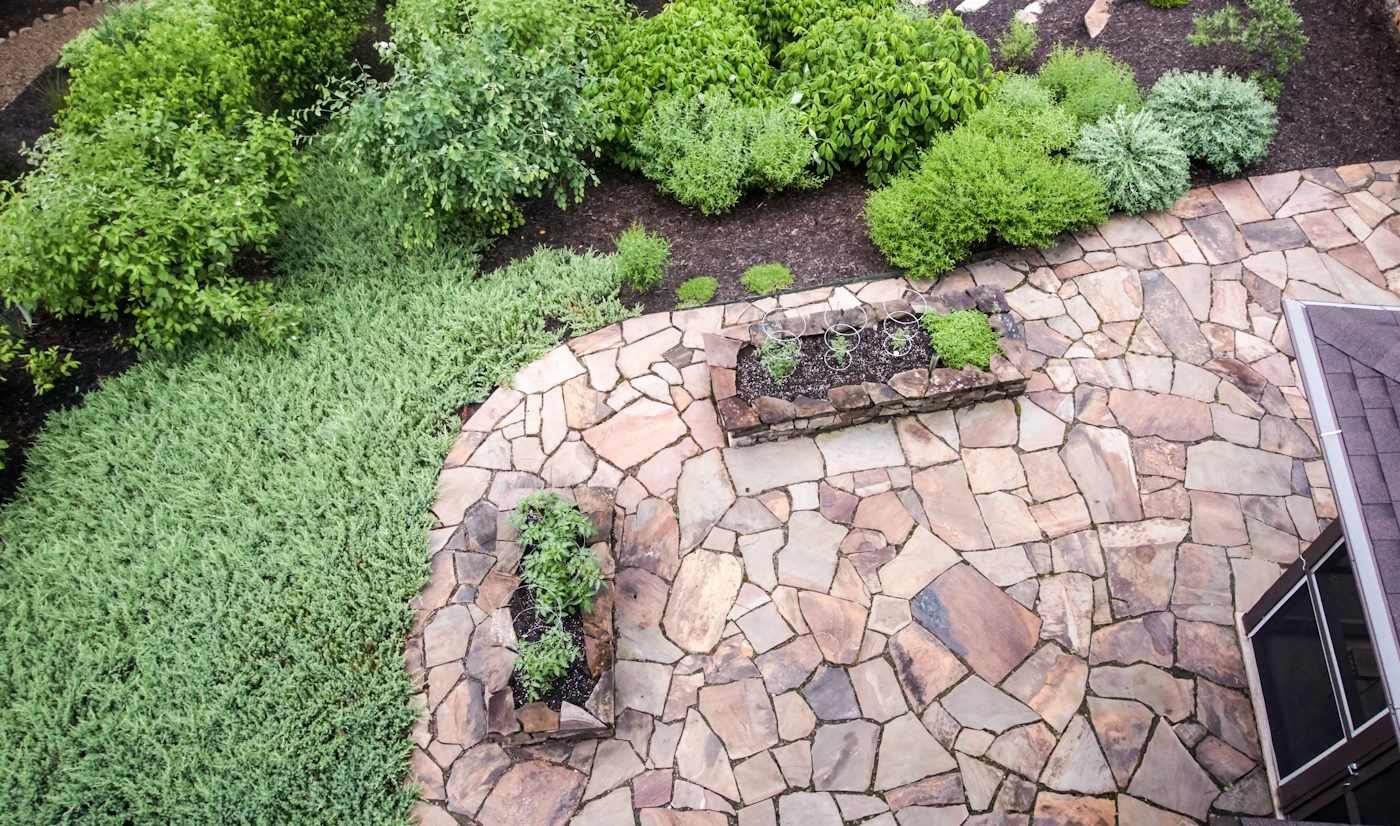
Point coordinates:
pixel 696 291
pixel 840 350
pixel 545 660
pixel 642 257
pixel 1268 35
pixel 1018 43
pixel 779 358
pixel 1168 4
pixel 766 279
pixel 962 338
pixel 46 367
pixel 899 340
pixel 1090 83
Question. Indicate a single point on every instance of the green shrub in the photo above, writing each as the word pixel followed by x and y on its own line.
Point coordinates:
pixel 707 150
pixel 121 26
pixel 643 258
pixel 779 358
pixel 144 218
pixel 974 185
pixel 1268 38
pixel 779 22
pixel 766 279
pixel 564 28
pixel 293 46
pixel 1090 84
pixel 1018 44
pixel 1140 164
pixel 1022 111
pixel 558 566
pixel 841 349
pixel 1221 120
pixel 961 338
pixel 694 292
pixel 545 660
pixel 1168 4
pixel 690 48
pixel 877 89
pixel 468 128
pixel 168 55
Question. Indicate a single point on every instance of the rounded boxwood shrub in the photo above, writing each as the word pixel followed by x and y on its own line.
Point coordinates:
pixel 765 279
pixel 696 291
pixel 878 89
pixel 1222 120
pixel 1140 164
pixel 1090 84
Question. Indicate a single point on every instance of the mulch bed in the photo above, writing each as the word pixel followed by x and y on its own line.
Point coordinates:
pixel 27 118
pixel 813 377
pixel 577 685
pixel 16 14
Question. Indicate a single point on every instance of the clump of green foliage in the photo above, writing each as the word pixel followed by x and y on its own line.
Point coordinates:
pixel 1221 120
pixel 1090 84
pixel 707 150
pixel 1018 43
pixel 779 358
pixel 696 291
pixel 44 367
pixel 1140 164
pixel 643 257
pixel 840 350
pixel 1267 35
pixel 690 48
pixel 766 279
pixel 545 660
pixel 878 88
pixel 1168 4
pixel 565 29
pixel 779 22
pixel 292 46
pixel 899 340
pixel 963 337
pixel 558 567
pixel 1001 175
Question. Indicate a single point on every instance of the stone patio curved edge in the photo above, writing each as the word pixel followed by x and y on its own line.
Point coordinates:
pixel 976 617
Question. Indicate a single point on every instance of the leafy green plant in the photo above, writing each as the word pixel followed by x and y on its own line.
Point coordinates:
pixel 1267 35
pixel 1221 120
pixel 690 48
pixel 1140 164
pixel 46 367
pixel 1090 84
pixel 840 350
pixel 899 340
pixel 545 660
pixel 877 89
pixel 120 26
pixel 1168 4
pixel 708 149
pixel 694 292
pixel 779 22
pixel 766 279
pixel 779 358
pixel 563 28
pixel 143 219
pixel 292 46
pixel 468 127
pixel 1018 43
pixel 1024 112
pixel 558 566
pixel 962 337
pixel 643 258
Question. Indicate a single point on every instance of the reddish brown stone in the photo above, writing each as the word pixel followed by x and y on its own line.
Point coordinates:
pixel 736 414
pixel 772 411
pixel 940 790
pixel 722 381
pixel 978 621
pixel 536 793
pixel 848 397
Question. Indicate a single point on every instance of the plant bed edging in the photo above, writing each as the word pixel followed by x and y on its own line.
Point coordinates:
pixel 921 390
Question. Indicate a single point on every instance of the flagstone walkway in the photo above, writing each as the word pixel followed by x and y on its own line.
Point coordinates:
pixel 1015 611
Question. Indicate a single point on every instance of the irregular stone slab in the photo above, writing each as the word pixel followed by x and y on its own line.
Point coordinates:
pixel 1008 519
pixel 447 636
pixel 1222 761
pixel 809 558
pixel 1003 566
pixel 651 539
pixel 701 758
pixel 1160 691
pixel 642 686
pixel 461 716
pixel 978 705
pixel 749 516
pixel 1122 727
pixel 636 433
pixel 1065 604
pixel 1071 810
pixel 864 447
pixel 615 808
pixel 1172 319
pixel 843 756
pixel 1211 651
pixel 765 628
pixel 759 778
pixel 703 496
pixel 1248 796
pixel 952 512
pixel 1149 639
pixel 908 753
pixel 1141 561
pixel 703 593
pixel 534 793
pixel 742 715
pixel 980 781
pixel 831 696
pixel 1170 417
pixel 978 621
pixel 770 465
pixel 921 447
pixel 990 424
pixel 857 806
pixel 1115 294
pixel 808 809
pixel 925 667
pixel 1079 552
pixel 942 790
pixel 1226 468
pixel 640 603
pixel 1218 237
pixel 1077 764
pixel 1170 778
pixel 672 817
pixel 473 775
pixel 837 625
pixel 788 667
pixel 884 512
pixel 614 764
pixel 1023 750
pixel 922 558
pixel 1101 462
pixel 878 690
pixel 1052 683
pixel 795 762
pixel 1132 810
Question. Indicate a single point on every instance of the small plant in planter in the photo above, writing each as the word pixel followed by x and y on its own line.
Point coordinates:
pixel 841 350
pixel 545 660
pixel 898 342
pixel 779 358
pixel 962 338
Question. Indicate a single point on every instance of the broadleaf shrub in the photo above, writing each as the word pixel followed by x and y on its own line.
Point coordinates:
pixel 643 258
pixel 292 46
pixel 1267 36
pixel 468 127
pixel 1090 84
pixel 1222 120
pixel 696 291
pixel 779 22
pixel 565 28
pixel 962 337
pixel 878 89
pixel 545 660
pixel 707 150
pixel 144 218
pixel 690 48
pixel 1140 163
pixel 558 566
pixel 766 279
pixel 1016 46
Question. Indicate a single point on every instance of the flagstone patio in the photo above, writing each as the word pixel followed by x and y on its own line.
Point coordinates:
pixel 1016 610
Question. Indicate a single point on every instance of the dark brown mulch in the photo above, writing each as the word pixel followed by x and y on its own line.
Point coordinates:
pixel 16 14
pixel 813 376
pixel 27 118
pixel 574 686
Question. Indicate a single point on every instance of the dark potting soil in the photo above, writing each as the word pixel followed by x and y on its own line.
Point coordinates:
pixel 16 14
pixel 812 378
pixel 574 686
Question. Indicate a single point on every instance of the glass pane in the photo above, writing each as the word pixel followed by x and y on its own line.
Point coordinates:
pixel 1378 799
pixel 1297 691
pixel 1351 641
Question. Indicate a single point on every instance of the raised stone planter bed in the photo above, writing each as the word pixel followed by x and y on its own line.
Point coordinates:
pixel 509 719
pixel 919 390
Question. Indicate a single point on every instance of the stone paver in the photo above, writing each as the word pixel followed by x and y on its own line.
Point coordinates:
pixel 1015 612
